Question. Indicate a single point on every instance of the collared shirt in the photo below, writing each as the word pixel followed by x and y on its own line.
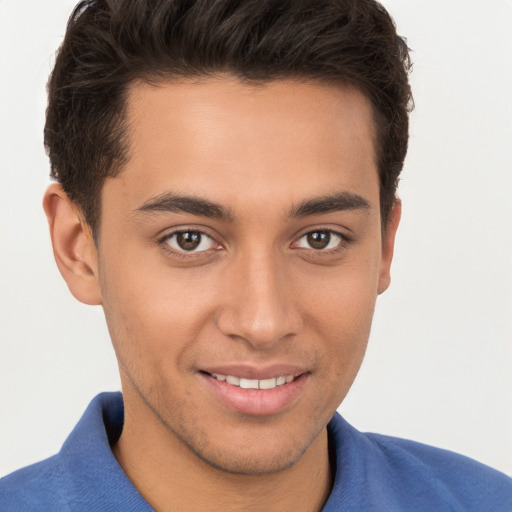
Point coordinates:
pixel 373 473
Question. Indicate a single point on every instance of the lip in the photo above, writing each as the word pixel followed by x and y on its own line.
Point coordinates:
pixel 255 402
pixel 253 372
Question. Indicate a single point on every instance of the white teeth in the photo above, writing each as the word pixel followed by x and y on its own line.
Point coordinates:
pixel 255 383
pixel 249 383
pixel 232 380
pixel 268 383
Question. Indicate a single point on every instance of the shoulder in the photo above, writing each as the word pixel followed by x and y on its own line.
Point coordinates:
pixel 40 486
pixel 458 478
pixel 397 474
pixel 84 475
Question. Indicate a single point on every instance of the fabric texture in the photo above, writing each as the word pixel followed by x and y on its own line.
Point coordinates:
pixel 373 473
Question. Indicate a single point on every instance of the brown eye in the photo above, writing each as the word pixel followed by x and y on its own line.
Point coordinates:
pixel 318 239
pixel 190 241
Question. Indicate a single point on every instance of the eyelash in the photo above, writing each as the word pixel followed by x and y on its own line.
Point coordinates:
pixel 342 244
pixel 164 241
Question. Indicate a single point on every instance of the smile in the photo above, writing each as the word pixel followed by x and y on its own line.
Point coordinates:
pixel 254 383
pixel 276 390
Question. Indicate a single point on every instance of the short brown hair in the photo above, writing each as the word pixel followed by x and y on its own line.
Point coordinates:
pixel 111 43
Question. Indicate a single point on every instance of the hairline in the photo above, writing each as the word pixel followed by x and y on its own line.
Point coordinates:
pixel 160 79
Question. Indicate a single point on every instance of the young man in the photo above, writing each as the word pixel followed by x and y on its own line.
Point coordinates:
pixel 226 191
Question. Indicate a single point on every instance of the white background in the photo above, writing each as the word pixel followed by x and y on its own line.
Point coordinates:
pixel 438 367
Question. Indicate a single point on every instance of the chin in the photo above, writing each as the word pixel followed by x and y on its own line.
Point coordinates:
pixel 251 464
pixel 254 453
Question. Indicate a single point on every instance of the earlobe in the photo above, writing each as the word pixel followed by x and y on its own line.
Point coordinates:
pixel 388 246
pixel 73 246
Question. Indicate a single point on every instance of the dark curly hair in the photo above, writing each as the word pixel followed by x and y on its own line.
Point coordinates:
pixel 111 43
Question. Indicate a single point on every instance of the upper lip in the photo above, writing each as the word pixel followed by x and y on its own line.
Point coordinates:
pixel 245 371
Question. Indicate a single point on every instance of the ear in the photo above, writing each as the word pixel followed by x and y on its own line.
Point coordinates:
pixel 73 246
pixel 388 246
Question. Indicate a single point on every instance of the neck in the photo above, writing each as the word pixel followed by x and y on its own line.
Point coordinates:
pixel 171 477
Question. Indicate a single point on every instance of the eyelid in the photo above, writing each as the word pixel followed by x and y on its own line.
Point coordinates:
pixel 345 240
pixel 163 241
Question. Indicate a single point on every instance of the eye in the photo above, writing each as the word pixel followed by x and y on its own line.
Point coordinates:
pixel 320 240
pixel 190 241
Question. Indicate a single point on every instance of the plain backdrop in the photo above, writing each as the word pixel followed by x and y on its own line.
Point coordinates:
pixel 438 367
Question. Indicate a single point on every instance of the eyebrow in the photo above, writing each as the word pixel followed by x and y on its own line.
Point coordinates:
pixel 175 203
pixel 338 201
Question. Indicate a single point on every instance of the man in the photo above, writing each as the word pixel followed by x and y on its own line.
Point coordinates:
pixel 226 191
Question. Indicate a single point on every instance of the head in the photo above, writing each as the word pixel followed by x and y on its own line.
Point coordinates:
pixel 236 163
pixel 111 44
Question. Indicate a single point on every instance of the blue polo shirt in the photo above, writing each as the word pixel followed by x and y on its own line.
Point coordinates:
pixel 373 473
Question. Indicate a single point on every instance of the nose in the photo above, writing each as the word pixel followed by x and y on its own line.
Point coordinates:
pixel 258 304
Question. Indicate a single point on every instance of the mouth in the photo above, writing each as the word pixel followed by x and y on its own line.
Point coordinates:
pixel 243 383
pixel 243 392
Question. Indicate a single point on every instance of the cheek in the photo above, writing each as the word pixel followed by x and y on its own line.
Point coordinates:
pixel 340 313
pixel 152 311
pixel 342 299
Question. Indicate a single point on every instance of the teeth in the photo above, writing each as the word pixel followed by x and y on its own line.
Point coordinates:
pixel 233 380
pixel 255 383
pixel 249 384
pixel 268 383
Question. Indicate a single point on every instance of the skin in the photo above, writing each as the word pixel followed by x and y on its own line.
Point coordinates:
pixel 254 294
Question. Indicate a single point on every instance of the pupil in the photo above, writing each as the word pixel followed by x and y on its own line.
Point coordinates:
pixel 319 239
pixel 188 240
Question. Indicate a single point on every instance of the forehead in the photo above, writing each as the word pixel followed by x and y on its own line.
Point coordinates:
pixel 231 140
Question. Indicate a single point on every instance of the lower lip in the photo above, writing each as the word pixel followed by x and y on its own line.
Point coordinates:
pixel 256 402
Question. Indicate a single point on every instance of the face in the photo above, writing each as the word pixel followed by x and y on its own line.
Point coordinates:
pixel 240 257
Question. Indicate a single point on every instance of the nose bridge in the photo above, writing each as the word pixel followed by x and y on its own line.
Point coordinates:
pixel 259 306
